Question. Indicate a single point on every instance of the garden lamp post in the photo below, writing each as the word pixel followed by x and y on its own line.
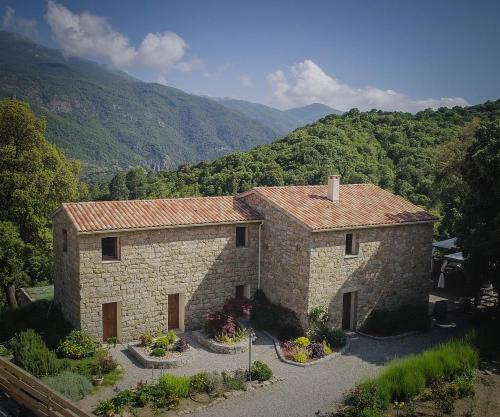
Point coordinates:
pixel 251 334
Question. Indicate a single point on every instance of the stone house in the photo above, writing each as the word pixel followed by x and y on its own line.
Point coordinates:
pixel 124 267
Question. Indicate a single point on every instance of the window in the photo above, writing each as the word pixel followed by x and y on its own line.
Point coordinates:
pixel 352 244
pixel 64 240
pixel 110 250
pixel 241 236
pixel 240 291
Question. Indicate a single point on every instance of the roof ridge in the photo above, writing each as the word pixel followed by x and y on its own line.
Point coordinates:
pixel 149 200
pixel 312 185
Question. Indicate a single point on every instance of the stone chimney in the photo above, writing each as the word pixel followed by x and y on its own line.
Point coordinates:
pixel 333 187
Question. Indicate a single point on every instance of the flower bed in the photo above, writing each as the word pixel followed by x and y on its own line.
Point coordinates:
pixel 185 393
pixel 212 344
pixel 163 351
pixel 222 333
pixel 321 343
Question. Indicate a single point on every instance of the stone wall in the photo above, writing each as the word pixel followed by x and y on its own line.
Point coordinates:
pixel 66 269
pixel 201 262
pixel 392 268
pixel 284 257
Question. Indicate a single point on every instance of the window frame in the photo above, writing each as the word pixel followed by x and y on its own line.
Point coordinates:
pixel 116 257
pixel 354 250
pixel 245 237
pixel 64 233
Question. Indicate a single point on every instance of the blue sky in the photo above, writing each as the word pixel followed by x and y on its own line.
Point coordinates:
pixel 383 54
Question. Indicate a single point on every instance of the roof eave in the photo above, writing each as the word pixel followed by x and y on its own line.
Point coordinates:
pixel 138 229
pixel 373 226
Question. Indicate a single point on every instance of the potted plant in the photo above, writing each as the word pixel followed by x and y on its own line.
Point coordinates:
pixel 98 375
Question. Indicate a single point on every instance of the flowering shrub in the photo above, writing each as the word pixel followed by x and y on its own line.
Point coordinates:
pixel 77 345
pixel 220 323
pixel 315 350
pixel 238 307
pixel 302 341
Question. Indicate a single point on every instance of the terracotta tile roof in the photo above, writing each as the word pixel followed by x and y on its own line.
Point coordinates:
pixel 134 214
pixel 359 205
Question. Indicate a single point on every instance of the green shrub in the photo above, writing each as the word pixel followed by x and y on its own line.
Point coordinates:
pixel 465 383
pixel 105 408
pixel 215 383
pixel 302 341
pixel 162 342
pixel 147 339
pixel 236 380
pixel 443 396
pixel 124 399
pixel 71 385
pixel 158 352
pixel 334 338
pixel 78 344
pixel 199 382
pixel 392 322
pixel 260 371
pixel 30 353
pixel 104 363
pixel 42 316
pixel 176 385
pixel 172 337
pixel 4 351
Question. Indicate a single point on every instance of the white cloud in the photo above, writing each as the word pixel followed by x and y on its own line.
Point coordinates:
pixel 307 83
pixel 13 23
pixel 245 80
pixel 88 36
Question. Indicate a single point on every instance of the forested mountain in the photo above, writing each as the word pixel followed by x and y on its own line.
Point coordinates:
pixel 398 151
pixel 281 122
pixel 109 120
pixel 311 113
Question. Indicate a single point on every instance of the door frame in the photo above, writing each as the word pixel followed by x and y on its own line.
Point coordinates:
pixel 118 317
pixel 182 306
pixel 353 293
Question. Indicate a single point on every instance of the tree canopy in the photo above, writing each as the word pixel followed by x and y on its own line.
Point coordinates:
pixel 35 179
pixel 479 225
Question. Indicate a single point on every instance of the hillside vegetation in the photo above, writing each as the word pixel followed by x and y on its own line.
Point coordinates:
pixel 398 151
pixel 280 121
pixel 109 120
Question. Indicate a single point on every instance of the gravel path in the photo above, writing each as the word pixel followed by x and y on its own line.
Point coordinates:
pixel 304 391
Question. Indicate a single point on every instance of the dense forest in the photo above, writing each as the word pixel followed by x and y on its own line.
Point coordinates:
pixel 405 153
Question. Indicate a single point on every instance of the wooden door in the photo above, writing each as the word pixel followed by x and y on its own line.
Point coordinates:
pixel 109 321
pixel 346 310
pixel 173 311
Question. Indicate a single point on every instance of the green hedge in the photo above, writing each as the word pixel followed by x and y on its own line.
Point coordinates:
pixel 404 378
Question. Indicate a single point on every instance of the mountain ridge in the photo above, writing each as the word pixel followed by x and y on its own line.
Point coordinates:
pixel 110 120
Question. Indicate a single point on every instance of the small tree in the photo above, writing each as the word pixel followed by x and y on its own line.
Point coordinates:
pixel 12 252
pixel 118 187
pixel 479 226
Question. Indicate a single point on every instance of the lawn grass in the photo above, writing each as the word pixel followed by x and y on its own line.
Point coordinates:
pixel 45 292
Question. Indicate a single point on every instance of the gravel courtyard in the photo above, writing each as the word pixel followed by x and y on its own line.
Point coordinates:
pixel 304 390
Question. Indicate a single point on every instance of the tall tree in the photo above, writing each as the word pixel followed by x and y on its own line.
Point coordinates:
pixel 450 187
pixel 136 183
pixel 118 187
pixel 12 263
pixel 35 179
pixel 479 226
